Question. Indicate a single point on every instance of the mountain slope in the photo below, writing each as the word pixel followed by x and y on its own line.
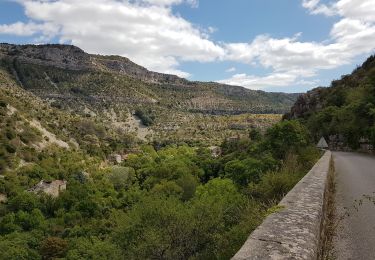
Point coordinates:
pixel 72 78
pixel 345 112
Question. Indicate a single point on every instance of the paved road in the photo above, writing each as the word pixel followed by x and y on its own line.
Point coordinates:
pixel 355 177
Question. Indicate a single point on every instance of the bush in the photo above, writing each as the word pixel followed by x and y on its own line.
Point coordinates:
pixel 146 119
pixel 10 134
pixel 286 136
pixel 121 177
pixel 274 185
pixel 10 148
pixel 25 201
pixel 53 247
pixel 29 136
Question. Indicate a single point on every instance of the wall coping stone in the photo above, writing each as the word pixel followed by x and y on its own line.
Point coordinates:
pixel 294 231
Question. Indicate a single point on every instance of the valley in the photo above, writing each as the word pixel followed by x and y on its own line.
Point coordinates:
pixel 100 158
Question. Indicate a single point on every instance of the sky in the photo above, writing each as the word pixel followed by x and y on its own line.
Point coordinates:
pixel 272 45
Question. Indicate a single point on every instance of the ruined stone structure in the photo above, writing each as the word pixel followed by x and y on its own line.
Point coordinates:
pixel 52 188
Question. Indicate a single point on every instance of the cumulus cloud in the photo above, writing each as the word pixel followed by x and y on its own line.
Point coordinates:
pixel 315 7
pixel 296 62
pixel 146 31
pixel 152 35
pixel 232 69
pixel 256 82
pixel 28 29
pixel 192 3
pixel 356 9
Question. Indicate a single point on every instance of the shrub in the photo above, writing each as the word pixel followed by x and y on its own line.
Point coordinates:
pixel 121 177
pixel 286 136
pixel 53 247
pixel 10 148
pixel 146 119
pixel 10 134
pixel 29 135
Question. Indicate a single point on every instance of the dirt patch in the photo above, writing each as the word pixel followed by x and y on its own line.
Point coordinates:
pixel 134 124
pixel 11 110
pixel 48 137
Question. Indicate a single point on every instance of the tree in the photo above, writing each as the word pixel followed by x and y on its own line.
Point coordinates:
pixel 53 247
pixel 286 136
pixel 29 221
pixel 121 177
pixel 20 246
pixel 244 171
pixel 25 201
pixel 157 228
pixel 255 134
pixel 93 248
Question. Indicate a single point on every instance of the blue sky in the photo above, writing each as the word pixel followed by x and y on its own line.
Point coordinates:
pixel 273 45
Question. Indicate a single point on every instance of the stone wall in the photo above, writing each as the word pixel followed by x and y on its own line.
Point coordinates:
pixel 294 231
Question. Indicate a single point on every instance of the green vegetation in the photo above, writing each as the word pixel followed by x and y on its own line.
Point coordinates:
pixel 170 198
pixel 176 202
pixel 346 110
pixel 146 117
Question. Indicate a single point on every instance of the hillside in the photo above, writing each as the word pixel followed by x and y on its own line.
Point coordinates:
pixel 110 90
pixel 62 196
pixel 344 112
pixel 73 79
pixel 98 164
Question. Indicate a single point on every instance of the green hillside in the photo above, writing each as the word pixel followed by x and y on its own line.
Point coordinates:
pixel 95 164
pixel 345 112
pixel 73 79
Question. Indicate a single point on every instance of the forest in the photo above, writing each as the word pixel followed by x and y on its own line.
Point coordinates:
pixel 344 112
pixel 174 202
pixel 77 183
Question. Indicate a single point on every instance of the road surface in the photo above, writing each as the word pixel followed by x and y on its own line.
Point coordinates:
pixel 355 234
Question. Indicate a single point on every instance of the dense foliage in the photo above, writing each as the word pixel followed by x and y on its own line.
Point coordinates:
pixel 346 110
pixel 172 198
pixel 146 116
pixel 178 202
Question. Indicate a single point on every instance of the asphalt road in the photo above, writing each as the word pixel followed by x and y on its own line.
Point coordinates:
pixel 355 234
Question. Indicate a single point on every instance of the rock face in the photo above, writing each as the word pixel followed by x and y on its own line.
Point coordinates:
pixel 3 198
pixel 61 56
pixel 306 104
pixel 52 188
pixel 127 67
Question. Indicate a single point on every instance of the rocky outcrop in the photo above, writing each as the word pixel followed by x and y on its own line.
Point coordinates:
pixel 3 198
pixel 125 66
pixel 73 58
pixel 73 80
pixel 52 188
pixel 60 56
pixel 306 104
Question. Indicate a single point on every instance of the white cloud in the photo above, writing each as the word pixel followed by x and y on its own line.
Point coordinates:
pixel 28 29
pixel 357 9
pixel 315 7
pixel 146 31
pixel 295 62
pixel 232 69
pixel 192 3
pixel 256 82
pixel 152 35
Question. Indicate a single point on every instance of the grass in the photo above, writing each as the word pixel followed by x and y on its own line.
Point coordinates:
pixel 331 222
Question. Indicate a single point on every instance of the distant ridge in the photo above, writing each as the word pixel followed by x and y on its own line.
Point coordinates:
pixel 75 80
